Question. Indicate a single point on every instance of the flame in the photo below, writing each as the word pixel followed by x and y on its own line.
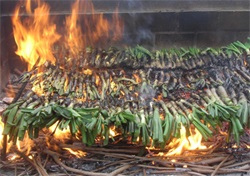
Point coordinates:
pixel 77 153
pixel 60 134
pixel 34 35
pixel 92 29
pixel 25 145
pixel 38 88
pixel 183 143
pixel 13 156
pixel 1 131
pixel 74 33
pixel 118 26
pixel 112 131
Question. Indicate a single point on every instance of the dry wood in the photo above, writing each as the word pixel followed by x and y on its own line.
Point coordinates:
pixel 112 164
pixel 25 172
pixel 161 161
pixel 56 159
pixel 4 150
pixel 238 164
pixel 37 161
pixel 15 170
pixel 228 163
pixel 121 169
pixel 46 160
pixel 196 174
pixel 211 160
pixel 89 149
pixel 17 71
pixel 169 172
pixel 39 169
pixel 133 172
pixel 155 167
pixel 10 86
pixel 217 168
pixel 144 172
pixel 10 91
pixel 245 167
pixel 220 171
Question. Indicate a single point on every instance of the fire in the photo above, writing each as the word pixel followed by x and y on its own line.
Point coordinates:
pixel 112 132
pixel 74 33
pixel 90 28
pixel 77 153
pixel 59 134
pixel 38 88
pixel 1 131
pixel 193 142
pixel 25 145
pixel 34 35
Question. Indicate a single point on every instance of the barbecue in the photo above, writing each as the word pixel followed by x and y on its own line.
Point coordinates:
pixel 155 99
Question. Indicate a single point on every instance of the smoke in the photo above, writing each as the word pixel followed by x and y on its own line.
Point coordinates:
pixel 137 25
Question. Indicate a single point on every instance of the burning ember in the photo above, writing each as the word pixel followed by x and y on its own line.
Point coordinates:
pixel 173 100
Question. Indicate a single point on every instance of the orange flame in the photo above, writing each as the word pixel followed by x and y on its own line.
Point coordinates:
pixel 77 153
pixel 93 29
pixel 25 145
pixel 112 132
pixel 1 131
pixel 59 134
pixel 74 33
pixel 193 142
pixel 34 35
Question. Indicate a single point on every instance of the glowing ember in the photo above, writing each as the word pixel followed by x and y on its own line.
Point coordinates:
pixel 193 142
pixel 173 160
pixel 77 153
pixel 12 156
pixel 235 146
pixel 35 34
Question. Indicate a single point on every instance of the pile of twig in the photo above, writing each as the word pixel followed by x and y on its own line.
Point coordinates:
pixel 145 95
pixel 127 160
